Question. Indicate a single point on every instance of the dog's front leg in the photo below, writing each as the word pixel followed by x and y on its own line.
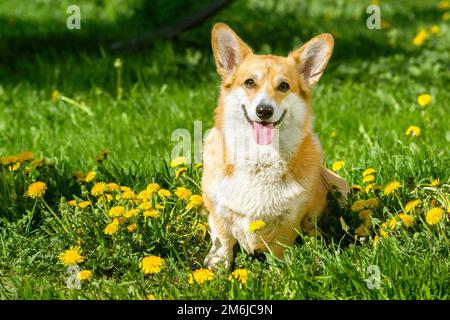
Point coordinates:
pixel 222 244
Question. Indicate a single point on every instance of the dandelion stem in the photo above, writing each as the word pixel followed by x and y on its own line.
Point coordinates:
pixel 267 246
pixel 195 183
pixel 27 230
pixel 119 83
pixel 399 202
pixel 56 216
pixel 78 105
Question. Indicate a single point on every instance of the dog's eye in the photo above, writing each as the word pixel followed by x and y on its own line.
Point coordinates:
pixel 250 83
pixel 283 87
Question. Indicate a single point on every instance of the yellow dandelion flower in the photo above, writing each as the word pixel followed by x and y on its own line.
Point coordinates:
pixel 84 204
pixel 376 240
pixel 446 16
pixel 55 95
pixel 151 264
pixel 84 275
pixel 368 171
pixel 358 205
pixel 256 226
pixel 383 232
pixel 128 195
pixel 180 171
pixel 333 134
pixel 435 183
pixel 434 215
pixel 362 230
pixel 357 188
pixel 391 187
pixel 183 193
pixel 407 220
pixel 198 166
pixel 99 189
pixel 14 167
pixel 200 276
pixel 151 296
pixel 338 165
pixel 8 160
pixel 240 275
pixel 444 5
pixel 71 256
pixel 164 193
pixel 152 213
pixel 391 223
pixel 368 178
pixel 112 187
pixel 178 162
pixel 144 195
pixel 153 187
pixel 145 205
pixel 131 213
pixel 369 187
pixel 411 205
pixel 117 211
pixel 413 131
pixel 435 29
pixel 420 38
pixel 112 228
pixel 72 203
pixel 424 99
pixel 365 214
pixel 36 190
pixel 124 188
pixel 25 156
pixel 90 176
pixel 132 227
pixel 195 201
pixel 371 203
pixel 203 228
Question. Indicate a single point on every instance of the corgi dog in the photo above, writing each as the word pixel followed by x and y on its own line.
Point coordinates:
pixel 262 160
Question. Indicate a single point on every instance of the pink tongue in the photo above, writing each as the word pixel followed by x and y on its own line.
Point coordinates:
pixel 262 134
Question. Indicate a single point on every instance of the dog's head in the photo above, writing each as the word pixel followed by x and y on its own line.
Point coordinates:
pixel 266 92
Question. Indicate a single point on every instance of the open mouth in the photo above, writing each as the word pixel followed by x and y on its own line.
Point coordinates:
pixel 263 131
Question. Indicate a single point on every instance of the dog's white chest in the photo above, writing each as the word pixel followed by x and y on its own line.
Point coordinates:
pixel 264 191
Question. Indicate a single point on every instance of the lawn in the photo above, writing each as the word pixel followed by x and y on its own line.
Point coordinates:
pixel 95 125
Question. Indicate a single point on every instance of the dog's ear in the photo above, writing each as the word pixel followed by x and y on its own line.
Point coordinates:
pixel 229 50
pixel 312 58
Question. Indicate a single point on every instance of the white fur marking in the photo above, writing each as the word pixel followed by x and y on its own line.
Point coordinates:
pixel 260 187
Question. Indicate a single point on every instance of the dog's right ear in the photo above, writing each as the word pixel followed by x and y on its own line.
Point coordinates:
pixel 229 50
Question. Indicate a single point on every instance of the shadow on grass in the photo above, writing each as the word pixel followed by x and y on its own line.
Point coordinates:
pixel 30 50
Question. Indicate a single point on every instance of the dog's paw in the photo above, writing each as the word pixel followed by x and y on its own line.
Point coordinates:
pixel 215 262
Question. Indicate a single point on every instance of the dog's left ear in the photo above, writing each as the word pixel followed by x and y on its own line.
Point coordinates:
pixel 312 58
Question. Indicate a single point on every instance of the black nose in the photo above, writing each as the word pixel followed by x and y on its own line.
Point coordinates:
pixel 264 111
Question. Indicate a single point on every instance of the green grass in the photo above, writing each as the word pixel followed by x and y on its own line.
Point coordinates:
pixel 368 96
